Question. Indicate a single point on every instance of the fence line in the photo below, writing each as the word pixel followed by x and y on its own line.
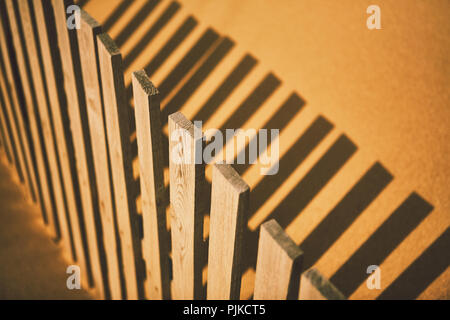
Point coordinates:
pixel 70 144
pixel 42 175
pixel 13 107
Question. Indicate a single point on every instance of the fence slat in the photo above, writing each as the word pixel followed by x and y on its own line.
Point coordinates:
pixel 186 184
pixel 63 138
pixel 277 255
pixel 73 83
pixel 48 209
pixel 14 111
pixel 229 206
pixel 117 118
pixel 314 286
pixel 155 244
pixel 89 65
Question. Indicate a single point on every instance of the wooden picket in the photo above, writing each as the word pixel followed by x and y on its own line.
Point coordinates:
pixel 155 243
pixel 187 178
pixel 117 119
pixel 77 123
pixel 229 206
pixel 277 255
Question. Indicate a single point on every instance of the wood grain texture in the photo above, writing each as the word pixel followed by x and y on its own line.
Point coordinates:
pixel 63 137
pixel 77 113
pixel 45 187
pixel 229 206
pixel 155 244
pixel 186 192
pixel 87 41
pixel 14 110
pixel 314 286
pixel 117 119
pixel 277 255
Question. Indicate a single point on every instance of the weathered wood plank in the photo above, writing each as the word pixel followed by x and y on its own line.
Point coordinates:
pixel 155 243
pixel 186 192
pixel 87 41
pixel 63 137
pixel 14 110
pixel 117 119
pixel 314 286
pixel 77 113
pixel 48 207
pixel 229 206
pixel 277 255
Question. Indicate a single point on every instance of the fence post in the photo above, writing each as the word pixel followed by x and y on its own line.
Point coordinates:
pixel 48 210
pixel 155 243
pixel 87 41
pixel 77 113
pixel 229 206
pixel 117 119
pixel 279 263
pixel 187 174
pixel 314 286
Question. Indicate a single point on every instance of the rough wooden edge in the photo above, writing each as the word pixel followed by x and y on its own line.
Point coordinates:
pixel 323 288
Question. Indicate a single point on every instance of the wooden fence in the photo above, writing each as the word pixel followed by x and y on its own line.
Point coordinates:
pixel 66 127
